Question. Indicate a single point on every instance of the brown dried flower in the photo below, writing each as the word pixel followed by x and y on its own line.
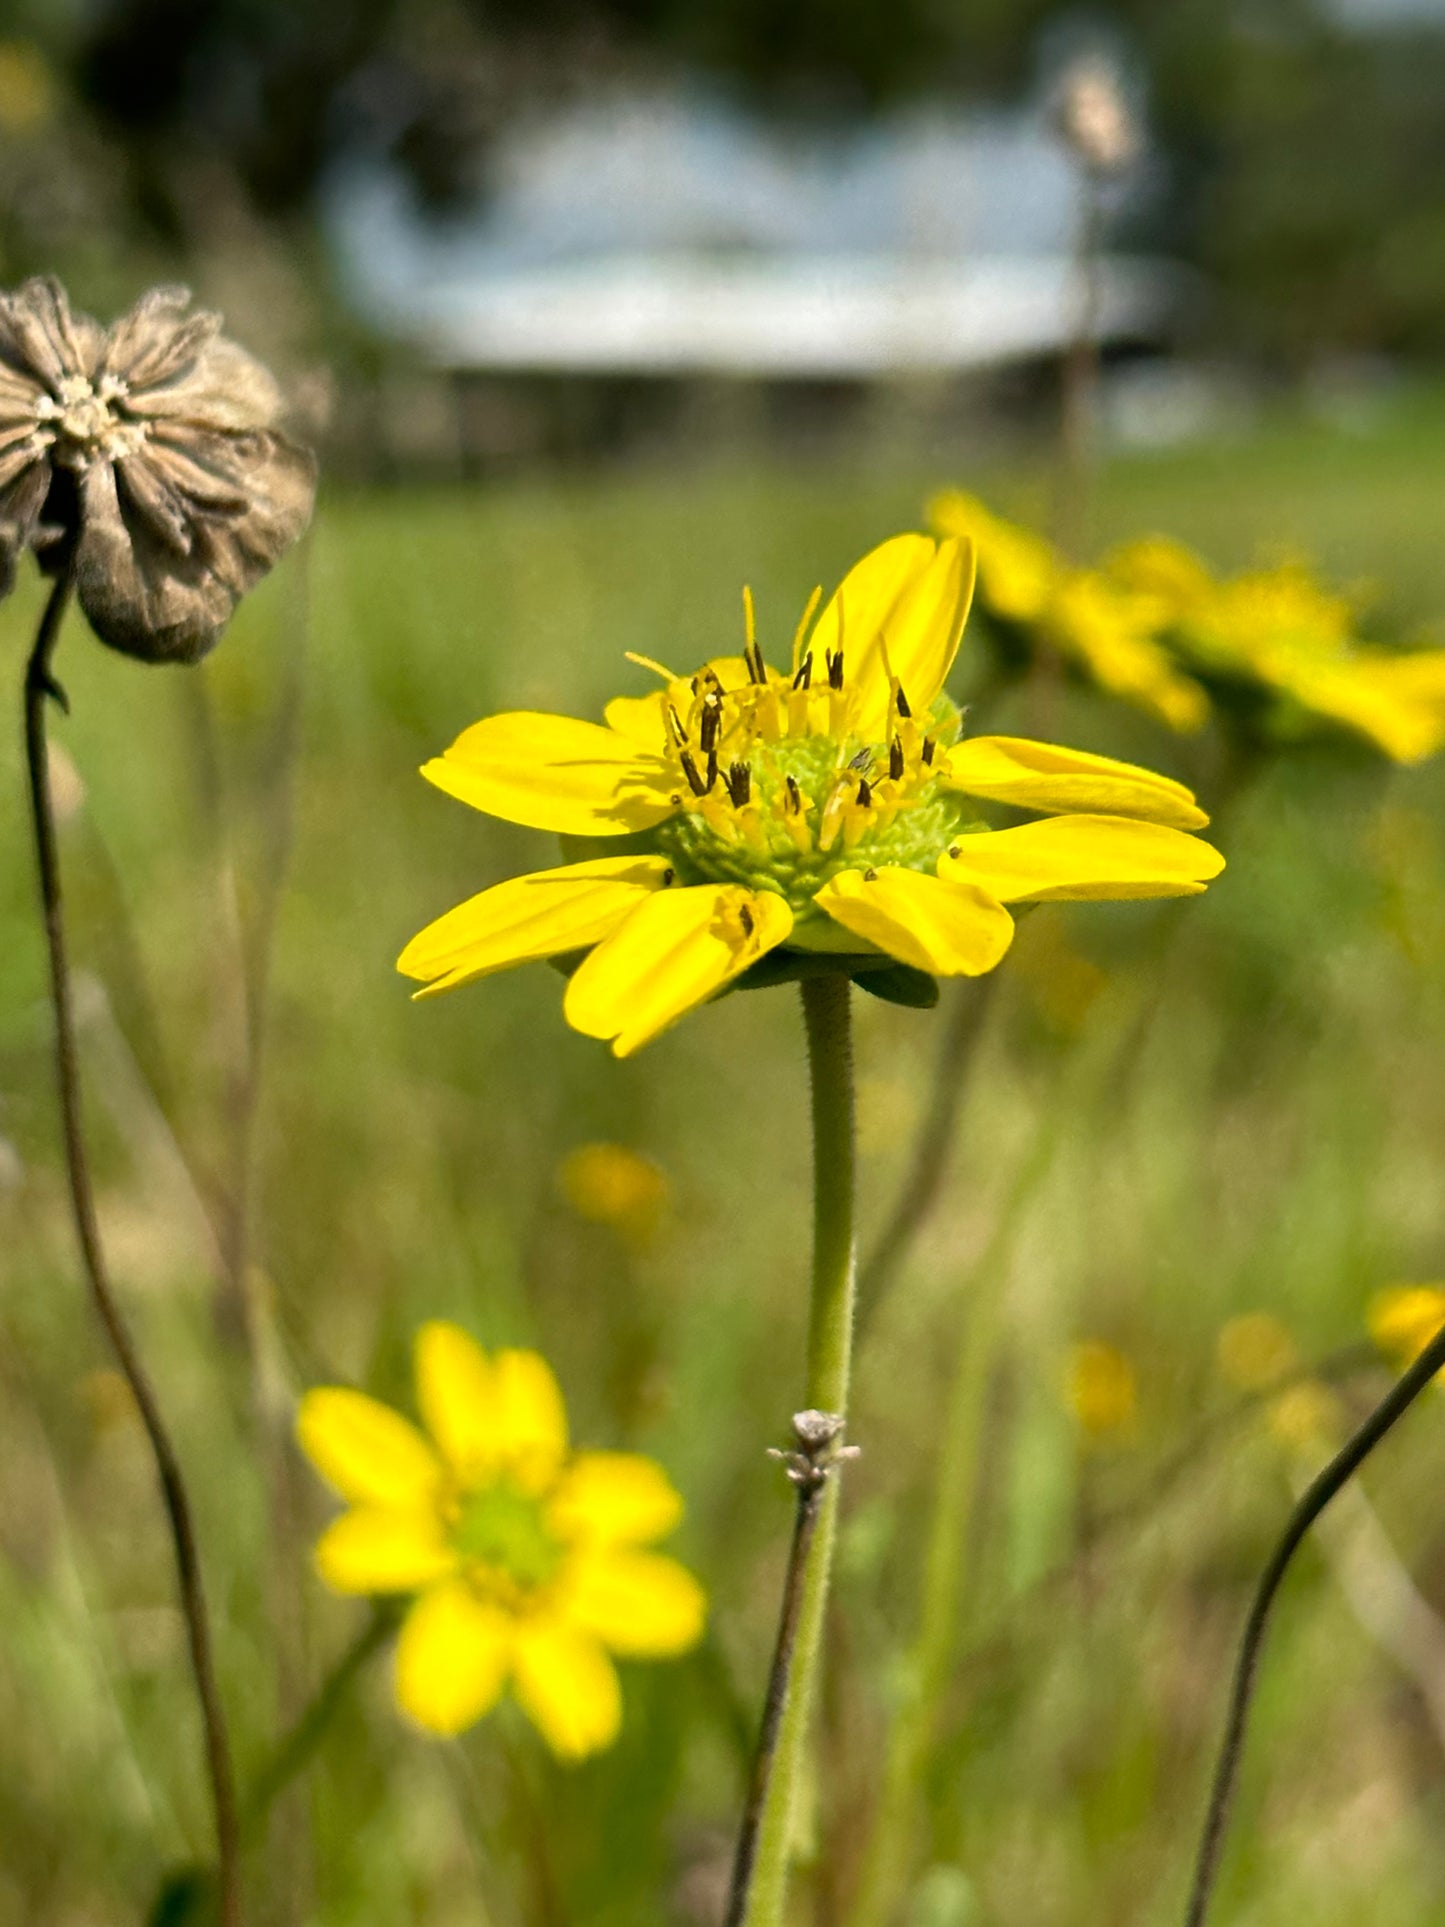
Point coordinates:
pixel 148 458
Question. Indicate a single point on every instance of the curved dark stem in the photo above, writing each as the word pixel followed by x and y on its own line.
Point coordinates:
pixel 923 1182
pixel 1346 1462
pixel 40 687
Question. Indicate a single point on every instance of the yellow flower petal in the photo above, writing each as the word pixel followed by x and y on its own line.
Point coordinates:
pixel 618 1498
pixel 947 929
pixel 372 1455
pixel 384 1549
pixel 1017 569
pixel 555 773
pixel 1364 695
pixel 456 1394
pixel 567 1686
pixel 1077 858
pixel 918 641
pixel 1403 1319
pixel 640 1604
pixel 864 600
pixel 452 1658
pixel 672 953
pixel 641 719
pixel 1045 777
pixel 528 917
pixel 529 1419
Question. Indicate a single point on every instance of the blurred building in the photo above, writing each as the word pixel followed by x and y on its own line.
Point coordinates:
pixel 667 239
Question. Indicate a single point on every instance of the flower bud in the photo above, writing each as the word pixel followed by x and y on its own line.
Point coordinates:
pixel 1094 118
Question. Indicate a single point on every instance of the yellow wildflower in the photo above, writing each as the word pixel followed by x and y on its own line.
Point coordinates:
pixel 1307 1418
pixel 1280 634
pixel 1404 1318
pixel 527 1559
pixel 1256 1351
pixel 1102 630
pixel 1101 1389
pixel 819 810
pixel 609 1184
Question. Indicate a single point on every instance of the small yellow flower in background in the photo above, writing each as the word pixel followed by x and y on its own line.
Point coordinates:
pixel 1256 1350
pixel 1101 1389
pixel 1307 1418
pixel 828 809
pixel 609 1184
pixel 1103 630
pixel 528 1560
pixel 1282 633
pixel 1404 1318
pixel 27 88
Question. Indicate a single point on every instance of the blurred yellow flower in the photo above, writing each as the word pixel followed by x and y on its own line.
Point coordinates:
pixel 1404 1318
pixel 1102 630
pixel 1306 1418
pixel 527 1559
pixel 821 810
pixel 609 1184
pixel 1256 1351
pixel 27 88
pixel 1281 632
pixel 1101 1389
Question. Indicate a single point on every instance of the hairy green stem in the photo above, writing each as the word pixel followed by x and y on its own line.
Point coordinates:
pixel 827 1014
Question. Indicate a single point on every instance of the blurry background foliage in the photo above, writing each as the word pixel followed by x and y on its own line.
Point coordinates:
pixel 1299 164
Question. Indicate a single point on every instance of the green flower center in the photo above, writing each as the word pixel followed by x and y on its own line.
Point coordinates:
pixel 778 797
pixel 503 1532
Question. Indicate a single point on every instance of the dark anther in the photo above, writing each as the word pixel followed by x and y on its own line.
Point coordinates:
pixel 895 759
pixel 953 850
pixel 689 770
pixel 739 784
pixel 757 668
pixel 804 677
pixel 745 917
pixel 711 767
pixel 929 746
pixel 902 701
pixel 870 876
pixel 679 733
pixel 861 760
pixel 669 877
pixel 835 671
pixel 865 794
pixel 707 729
pixel 795 796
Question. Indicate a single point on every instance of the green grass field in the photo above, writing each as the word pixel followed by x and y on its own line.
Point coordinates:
pixel 1272 1138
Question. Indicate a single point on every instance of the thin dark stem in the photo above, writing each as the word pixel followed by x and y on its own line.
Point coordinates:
pixel 40 687
pixel 923 1182
pixel 808 1468
pixel 1346 1462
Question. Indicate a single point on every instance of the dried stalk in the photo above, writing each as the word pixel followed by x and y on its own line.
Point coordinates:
pixel 41 687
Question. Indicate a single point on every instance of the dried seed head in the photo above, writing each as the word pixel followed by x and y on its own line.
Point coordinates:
pixel 1094 118
pixel 147 457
